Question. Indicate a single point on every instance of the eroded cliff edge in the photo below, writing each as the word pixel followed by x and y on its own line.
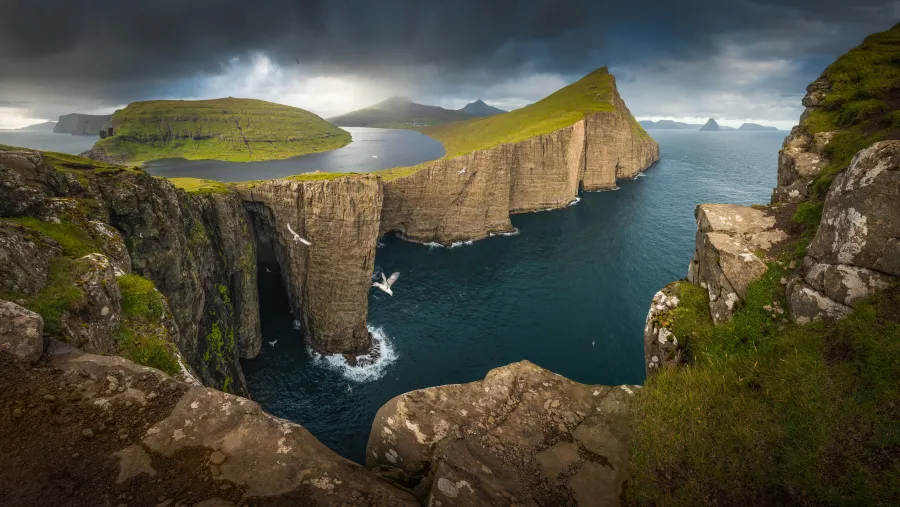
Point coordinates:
pixel 471 196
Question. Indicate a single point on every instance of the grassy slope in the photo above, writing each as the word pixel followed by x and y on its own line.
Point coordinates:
pixel 564 107
pixel 769 412
pixel 863 102
pixel 177 128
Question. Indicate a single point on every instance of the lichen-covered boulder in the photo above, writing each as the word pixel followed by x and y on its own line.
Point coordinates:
pixel 25 257
pixel 21 332
pixel 800 160
pixel 15 196
pixel 92 323
pixel 726 258
pixel 846 284
pixel 661 346
pixel 806 304
pixel 112 244
pixel 861 218
pixel 522 436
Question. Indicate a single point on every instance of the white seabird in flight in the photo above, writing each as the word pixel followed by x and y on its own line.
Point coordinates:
pixel 386 283
pixel 297 236
pixel 462 171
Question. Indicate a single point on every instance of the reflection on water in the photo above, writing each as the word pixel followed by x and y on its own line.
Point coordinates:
pixel 371 150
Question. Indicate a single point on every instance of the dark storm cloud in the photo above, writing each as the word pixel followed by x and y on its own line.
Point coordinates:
pixel 110 52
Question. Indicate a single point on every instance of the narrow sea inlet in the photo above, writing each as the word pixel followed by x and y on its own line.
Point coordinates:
pixel 569 292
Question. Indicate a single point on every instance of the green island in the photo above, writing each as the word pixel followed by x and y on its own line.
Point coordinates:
pixel 230 129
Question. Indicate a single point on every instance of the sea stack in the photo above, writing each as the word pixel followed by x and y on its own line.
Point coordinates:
pixel 711 126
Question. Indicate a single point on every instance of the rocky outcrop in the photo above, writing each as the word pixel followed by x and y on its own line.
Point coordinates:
pixel 856 251
pixel 92 323
pixel 661 346
pixel 328 281
pixel 133 434
pixel 726 259
pixel 21 332
pixel 79 124
pixel 25 257
pixel 470 197
pixel 800 160
pixel 522 436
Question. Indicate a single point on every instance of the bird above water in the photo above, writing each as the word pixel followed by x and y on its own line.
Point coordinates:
pixel 386 283
pixel 272 343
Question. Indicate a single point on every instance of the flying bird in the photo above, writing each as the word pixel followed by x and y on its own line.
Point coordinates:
pixel 593 342
pixel 462 171
pixel 273 343
pixel 374 156
pixel 297 236
pixel 268 270
pixel 386 283
pixel 298 60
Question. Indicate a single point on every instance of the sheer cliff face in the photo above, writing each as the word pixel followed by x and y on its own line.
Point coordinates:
pixel 616 147
pixel 471 196
pixel 328 281
pixel 199 252
pixel 196 248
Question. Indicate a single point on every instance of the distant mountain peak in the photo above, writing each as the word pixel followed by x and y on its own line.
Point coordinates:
pixel 480 108
pixel 711 126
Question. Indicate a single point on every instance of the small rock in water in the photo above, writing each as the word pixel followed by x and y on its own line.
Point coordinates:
pixel 351 359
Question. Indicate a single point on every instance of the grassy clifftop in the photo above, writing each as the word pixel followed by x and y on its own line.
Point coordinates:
pixel 858 96
pixel 591 94
pixel 219 129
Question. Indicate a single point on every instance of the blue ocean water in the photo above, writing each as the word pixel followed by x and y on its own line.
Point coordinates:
pixel 570 292
pixel 48 141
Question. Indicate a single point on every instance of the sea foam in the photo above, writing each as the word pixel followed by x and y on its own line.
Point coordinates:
pixel 371 366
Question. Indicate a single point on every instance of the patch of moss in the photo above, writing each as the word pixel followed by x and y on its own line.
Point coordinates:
pixel 810 415
pixel 199 186
pixel 148 348
pixel 140 298
pixel 73 239
pixel 57 296
pixel 215 344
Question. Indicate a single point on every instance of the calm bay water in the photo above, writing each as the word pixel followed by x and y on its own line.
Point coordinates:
pixel 371 150
pixel 48 141
pixel 570 292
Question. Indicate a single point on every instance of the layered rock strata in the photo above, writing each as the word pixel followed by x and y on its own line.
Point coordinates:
pixel 471 196
pixel 327 281
pixel 521 436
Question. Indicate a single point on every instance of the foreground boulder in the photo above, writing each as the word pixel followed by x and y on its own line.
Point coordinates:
pixel 21 332
pixel 101 430
pixel 521 436
pixel 726 259
pixel 661 346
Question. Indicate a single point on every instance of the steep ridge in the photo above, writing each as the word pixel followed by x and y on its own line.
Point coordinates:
pixel 328 281
pixel 471 195
pixel 79 124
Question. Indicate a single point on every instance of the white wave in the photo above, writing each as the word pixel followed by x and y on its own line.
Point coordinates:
pixel 461 243
pixel 640 175
pixel 434 244
pixel 604 189
pixel 514 232
pixel 371 366
pixel 574 202
pixel 379 244
pixel 298 325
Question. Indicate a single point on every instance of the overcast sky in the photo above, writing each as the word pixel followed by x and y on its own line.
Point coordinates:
pixel 734 60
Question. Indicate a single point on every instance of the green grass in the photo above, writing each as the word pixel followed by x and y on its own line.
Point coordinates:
pixel 140 298
pixel 147 347
pixel 769 412
pixel 199 186
pixel 73 239
pixel 208 129
pixel 591 94
pixel 57 296
pixel 862 102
